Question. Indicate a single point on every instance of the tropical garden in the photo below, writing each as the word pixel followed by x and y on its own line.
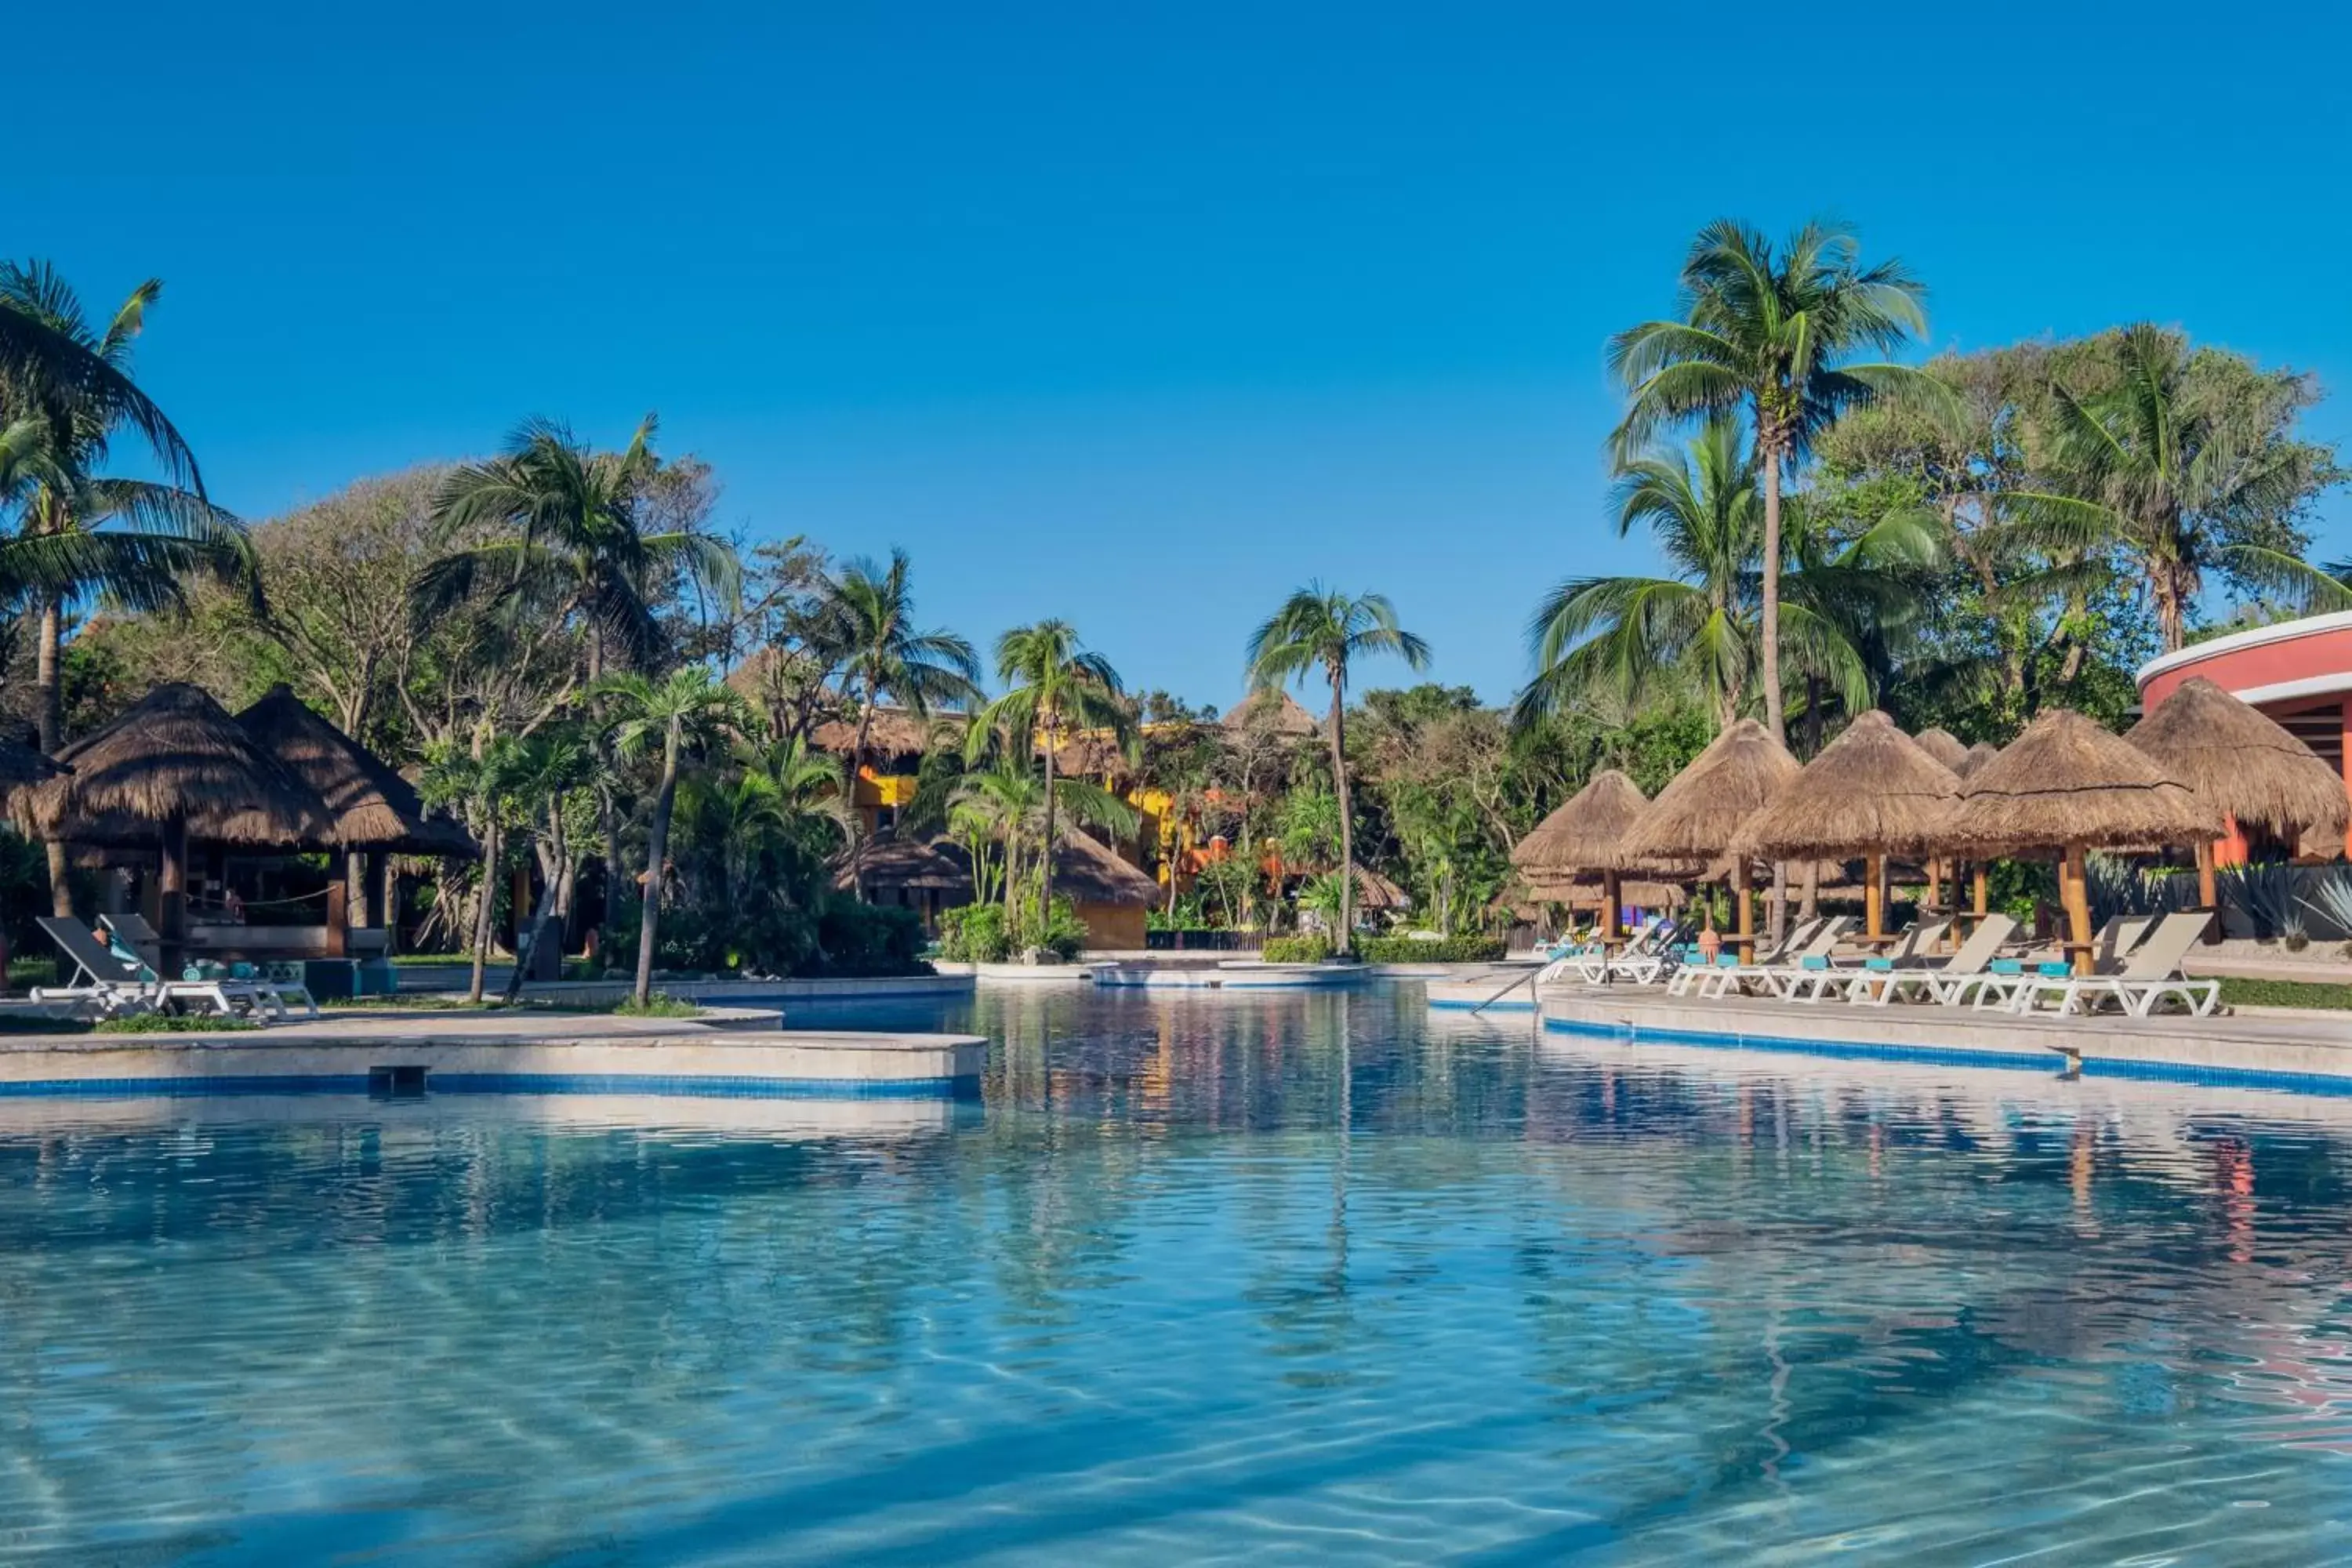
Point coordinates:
pixel 670 739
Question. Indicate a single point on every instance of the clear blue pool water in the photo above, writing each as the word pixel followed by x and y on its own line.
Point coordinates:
pixel 1311 1277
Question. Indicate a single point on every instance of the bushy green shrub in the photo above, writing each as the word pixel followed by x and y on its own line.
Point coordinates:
pixel 1296 949
pixel 660 1004
pixel 1463 948
pixel 1062 934
pixel 862 940
pixel 173 1024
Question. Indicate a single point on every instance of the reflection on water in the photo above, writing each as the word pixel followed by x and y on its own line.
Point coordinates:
pixel 1204 1277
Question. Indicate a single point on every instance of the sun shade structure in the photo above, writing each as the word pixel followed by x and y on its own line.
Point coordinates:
pixel 1943 746
pixel 1588 834
pixel 373 808
pixel 1276 711
pixel 2242 763
pixel 1978 755
pixel 1873 790
pixel 1696 816
pixel 2069 785
pixel 21 765
pixel 174 766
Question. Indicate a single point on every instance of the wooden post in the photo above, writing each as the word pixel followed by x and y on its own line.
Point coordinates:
pixel 1608 910
pixel 1935 884
pixel 1747 909
pixel 173 881
pixel 358 899
pixel 2209 893
pixel 337 918
pixel 1873 896
pixel 2075 890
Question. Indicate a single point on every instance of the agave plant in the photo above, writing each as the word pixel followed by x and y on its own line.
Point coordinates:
pixel 2329 895
pixel 2265 895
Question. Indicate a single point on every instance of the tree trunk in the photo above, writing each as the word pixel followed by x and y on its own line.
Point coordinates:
pixel 656 850
pixel 1046 855
pixel 50 716
pixel 484 910
pixel 1812 716
pixel 175 886
pixel 551 881
pixel 1344 940
pixel 1768 631
pixel 857 823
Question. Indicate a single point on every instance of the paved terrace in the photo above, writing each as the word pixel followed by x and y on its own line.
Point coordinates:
pixel 728 1051
pixel 2285 1047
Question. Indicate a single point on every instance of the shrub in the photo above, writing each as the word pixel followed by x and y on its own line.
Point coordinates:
pixel 855 939
pixel 1295 950
pixel 1463 948
pixel 658 1005
pixel 1062 934
pixel 173 1024
pixel 975 934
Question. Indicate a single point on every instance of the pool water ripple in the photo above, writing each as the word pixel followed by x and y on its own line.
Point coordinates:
pixel 1310 1277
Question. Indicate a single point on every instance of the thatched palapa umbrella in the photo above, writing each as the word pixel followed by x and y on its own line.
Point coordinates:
pixel 1695 815
pixel 1946 748
pixel 2069 785
pixel 173 767
pixel 1588 834
pixel 1874 789
pixel 2244 765
pixel 22 765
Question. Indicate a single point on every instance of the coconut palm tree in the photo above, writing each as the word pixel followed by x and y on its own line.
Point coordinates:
pixel 545 771
pixel 73 380
pixel 690 710
pixel 1056 687
pixel 1318 628
pixel 1768 334
pixel 2158 472
pixel 865 618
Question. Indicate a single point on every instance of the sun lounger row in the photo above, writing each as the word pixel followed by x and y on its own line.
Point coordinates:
pixel 113 978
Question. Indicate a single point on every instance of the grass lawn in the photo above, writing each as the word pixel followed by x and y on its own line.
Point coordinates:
pixel 2286 994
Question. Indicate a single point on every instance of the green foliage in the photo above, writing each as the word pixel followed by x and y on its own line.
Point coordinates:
pixel 173 1024
pixel 660 1004
pixel 2241 993
pixel 1295 950
pixel 974 933
pixel 855 939
pixel 1462 949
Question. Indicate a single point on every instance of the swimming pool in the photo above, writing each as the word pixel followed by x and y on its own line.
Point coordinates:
pixel 1205 1277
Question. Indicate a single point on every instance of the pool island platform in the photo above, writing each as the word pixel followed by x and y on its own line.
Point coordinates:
pixel 2278 1047
pixel 740 1052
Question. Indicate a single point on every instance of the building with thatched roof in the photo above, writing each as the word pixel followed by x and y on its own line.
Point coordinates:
pixel 370 805
pixel 1873 790
pixel 1275 711
pixel 931 875
pixel 1942 745
pixel 2067 784
pixel 174 767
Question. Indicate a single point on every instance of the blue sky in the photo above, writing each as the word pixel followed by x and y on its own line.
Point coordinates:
pixel 1136 314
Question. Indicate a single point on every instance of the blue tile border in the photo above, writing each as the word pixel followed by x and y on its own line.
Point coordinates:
pixel 695 1087
pixel 1437 1006
pixel 2050 1063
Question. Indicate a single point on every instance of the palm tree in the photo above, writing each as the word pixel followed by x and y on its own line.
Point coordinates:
pixel 866 617
pixel 1313 628
pixel 1014 806
pixel 1767 335
pixel 482 783
pixel 555 521
pixel 2159 470
pixel 545 770
pixel 74 381
pixel 687 710
pixel 1055 685
pixel 1626 638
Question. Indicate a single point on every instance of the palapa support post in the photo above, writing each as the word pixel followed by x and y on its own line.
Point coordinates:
pixel 1981 889
pixel 1873 896
pixel 2208 891
pixel 173 881
pixel 1746 906
pixel 2074 891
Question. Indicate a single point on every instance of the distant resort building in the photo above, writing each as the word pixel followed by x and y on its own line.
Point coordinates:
pixel 2297 672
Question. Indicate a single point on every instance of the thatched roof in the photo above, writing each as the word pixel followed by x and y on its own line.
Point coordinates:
pixel 175 754
pixel 2067 780
pixel 1085 872
pixel 1978 755
pixel 1873 790
pixel 24 765
pixel 1942 745
pixel 939 863
pixel 2239 760
pixel 1374 892
pixel 1589 832
pixel 1695 817
pixel 1582 894
pixel 372 806
pixel 893 732
pixel 1275 711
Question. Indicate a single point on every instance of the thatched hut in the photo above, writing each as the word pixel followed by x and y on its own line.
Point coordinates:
pixel 930 875
pixel 1589 836
pixel 1874 789
pixel 22 765
pixel 1942 745
pixel 1695 815
pixel 173 767
pixel 1277 712
pixel 2068 785
pixel 2242 763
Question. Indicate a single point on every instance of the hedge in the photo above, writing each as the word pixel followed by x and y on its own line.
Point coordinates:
pixel 1296 949
pixel 1462 949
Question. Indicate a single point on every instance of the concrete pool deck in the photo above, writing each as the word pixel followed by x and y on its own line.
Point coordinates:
pixel 2279 1048
pixel 736 1052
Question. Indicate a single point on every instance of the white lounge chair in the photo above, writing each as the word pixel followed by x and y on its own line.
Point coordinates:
pixel 133 930
pixel 1774 976
pixel 2011 987
pixel 103 980
pixel 1873 980
pixel 2151 974
pixel 1952 981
